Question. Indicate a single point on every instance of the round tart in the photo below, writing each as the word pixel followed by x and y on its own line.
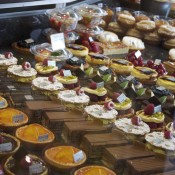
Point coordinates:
pixel 94 170
pixel 34 136
pixel 13 167
pixel 166 31
pixel 74 99
pixel 3 103
pixel 172 55
pixel 135 33
pixel 146 25
pixel 9 145
pixel 167 81
pixel 121 66
pixel 11 118
pixel 18 73
pixel 47 86
pixel 62 157
pixel 124 105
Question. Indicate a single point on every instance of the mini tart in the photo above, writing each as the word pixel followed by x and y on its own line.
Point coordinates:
pixel 15 145
pixel 99 114
pixel 172 55
pixel 121 66
pixel 94 170
pixel 21 75
pixel 42 69
pixel 169 66
pixel 167 81
pixel 30 136
pixel 73 101
pixel 135 33
pixel 152 38
pixel 67 80
pixel 78 50
pixel 99 91
pixel 117 28
pixel 61 157
pixel 47 87
pixel 124 105
pixel 167 31
pixel 157 143
pixel 8 166
pixel 8 119
pixel 3 103
pixel 146 25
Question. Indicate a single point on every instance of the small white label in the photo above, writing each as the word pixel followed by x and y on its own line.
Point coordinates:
pixel 161 88
pixel 82 67
pixel 91 39
pixel 157 109
pixel 67 73
pixel 57 41
pixel 138 54
pixel 171 79
pixel 11 87
pixel 30 40
pixel 18 118
pixel 2 103
pixel 35 169
pixel 5 147
pixel 51 63
pixel 98 73
pixel 100 85
pixel 28 97
pixel 74 59
pixel 130 78
pixel 157 61
pixel 78 156
pixel 42 138
pixel 122 98
pixel 103 68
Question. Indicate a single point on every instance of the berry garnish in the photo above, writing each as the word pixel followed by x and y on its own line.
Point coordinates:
pixel 109 105
pixel 168 135
pixel 62 72
pixel 115 96
pixel 80 92
pixel 26 65
pixel 45 62
pixel 52 79
pixel 26 162
pixel 136 120
pixel 87 44
pixel 95 47
pixel 93 97
pixel 150 63
pixel 149 109
pixel 93 85
pixel 8 55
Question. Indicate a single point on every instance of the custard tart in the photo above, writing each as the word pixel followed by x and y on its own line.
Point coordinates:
pixel 3 103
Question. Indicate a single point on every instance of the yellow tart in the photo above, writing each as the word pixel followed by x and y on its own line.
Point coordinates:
pixel 3 103
pixel 67 80
pixel 99 91
pixel 124 105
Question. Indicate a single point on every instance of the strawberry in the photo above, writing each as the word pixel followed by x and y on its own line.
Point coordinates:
pixel 93 85
pixel 26 162
pixel 95 47
pixel 115 96
pixel 8 55
pixel 45 62
pixel 80 91
pixel 168 135
pixel 109 105
pixel 136 120
pixel 26 65
pixel 149 109
pixel 52 79
pixel 87 44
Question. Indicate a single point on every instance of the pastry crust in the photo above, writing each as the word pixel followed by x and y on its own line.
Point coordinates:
pixel 169 44
pixel 167 31
pixel 146 25
pixel 117 28
pixel 42 69
pixel 135 33
pixel 152 38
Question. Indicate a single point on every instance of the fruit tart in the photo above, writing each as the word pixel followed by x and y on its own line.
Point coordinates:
pixel 64 157
pixel 34 136
pixel 11 118
pixel 3 103
pixel 94 170
pixel 29 164
pixel 49 86
pixel 154 119
pixel 74 99
pixel 8 145
pixel 105 114
pixel 133 128
pixel 22 73
pixel 7 59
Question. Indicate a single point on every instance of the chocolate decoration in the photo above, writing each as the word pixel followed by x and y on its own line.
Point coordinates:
pixel 24 44
pixel 79 73
pixel 97 79
pixel 76 63
pixel 146 71
pixel 159 92
pixel 154 100
pixel 172 79
pixel 99 56
pixel 130 93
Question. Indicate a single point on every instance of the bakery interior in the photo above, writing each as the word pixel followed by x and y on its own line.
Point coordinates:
pixel 87 87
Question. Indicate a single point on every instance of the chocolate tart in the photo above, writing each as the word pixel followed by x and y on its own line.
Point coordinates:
pixel 3 103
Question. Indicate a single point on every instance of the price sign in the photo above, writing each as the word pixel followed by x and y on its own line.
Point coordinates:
pixel 11 87
pixel 103 68
pixel 138 54
pixel 129 78
pixel 121 98
pixel 67 73
pixel 57 41
pixel 157 61
pixel 100 85
pixel 51 63
pixel 28 97
pixel 157 109
pixel 35 169
pixel 74 59
pixel 160 88
pixel 18 118
pixel 78 156
pixel 30 40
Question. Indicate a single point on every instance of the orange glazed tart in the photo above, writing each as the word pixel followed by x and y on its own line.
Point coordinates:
pixel 62 157
pixel 12 118
pixel 94 170
pixel 3 103
pixel 35 136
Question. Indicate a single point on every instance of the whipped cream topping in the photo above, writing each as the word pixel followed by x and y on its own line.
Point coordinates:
pixel 19 71
pixel 72 97
pixel 126 125
pixel 98 111
pixel 7 61
pixel 108 37
pixel 44 83
pixel 126 16
pixel 172 54
pixel 157 139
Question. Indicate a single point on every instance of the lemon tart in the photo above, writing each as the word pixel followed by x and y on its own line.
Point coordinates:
pixel 3 103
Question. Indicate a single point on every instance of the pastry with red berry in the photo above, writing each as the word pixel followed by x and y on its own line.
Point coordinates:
pixel 22 73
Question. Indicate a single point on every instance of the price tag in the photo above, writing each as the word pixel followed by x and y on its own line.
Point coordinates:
pixel 157 109
pixel 30 40
pixel 171 79
pixel 129 78
pixel 35 169
pixel 160 88
pixel 42 138
pixel 82 67
pixel 57 41
pixel 103 68
pixel 157 61
pixel 2 103
pixel 67 73
pixel 11 87
pixel 78 156
pixel 100 85
pixel 74 59
pixel 91 39
pixel 138 54
pixel 122 98
pixel 28 97
pixel 18 118
pixel 5 147
pixel 51 63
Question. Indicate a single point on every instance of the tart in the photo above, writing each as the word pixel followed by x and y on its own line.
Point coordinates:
pixel 145 75
pixel 74 99
pixel 172 55
pixel 116 28
pixel 62 157
pixel 47 85
pixel 11 118
pixel 167 81
pixel 94 170
pixel 3 103
pixel 30 164
pixel 167 31
pixel 170 67
pixel 121 66
pixel 9 145
pixel 146 26
pixel 135 33
pixel 23 74
pixel 7 59
pixel 152 38
pixel 34 136
pixel 78 50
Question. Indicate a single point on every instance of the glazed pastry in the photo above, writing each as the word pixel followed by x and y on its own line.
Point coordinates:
pixel 117 28
pixel 133 43
pixel 152 38
pixel 167 81
pixel 121 66
pixel 172 55
pixel 146 25
pixel 170 67
pixel 78 50
pixel 3 103
pixel 166 31
pixel 169 43
pixel 135 33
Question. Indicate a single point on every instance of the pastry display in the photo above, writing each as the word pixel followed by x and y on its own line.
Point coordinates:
pixel 172 55
pixel 7 59
pixel 63 157
pixel 166 31
pixel 22 73
pixel 3 103
pixel 146 25
pixel 135 33
pixel 34 136
pixel 110 13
